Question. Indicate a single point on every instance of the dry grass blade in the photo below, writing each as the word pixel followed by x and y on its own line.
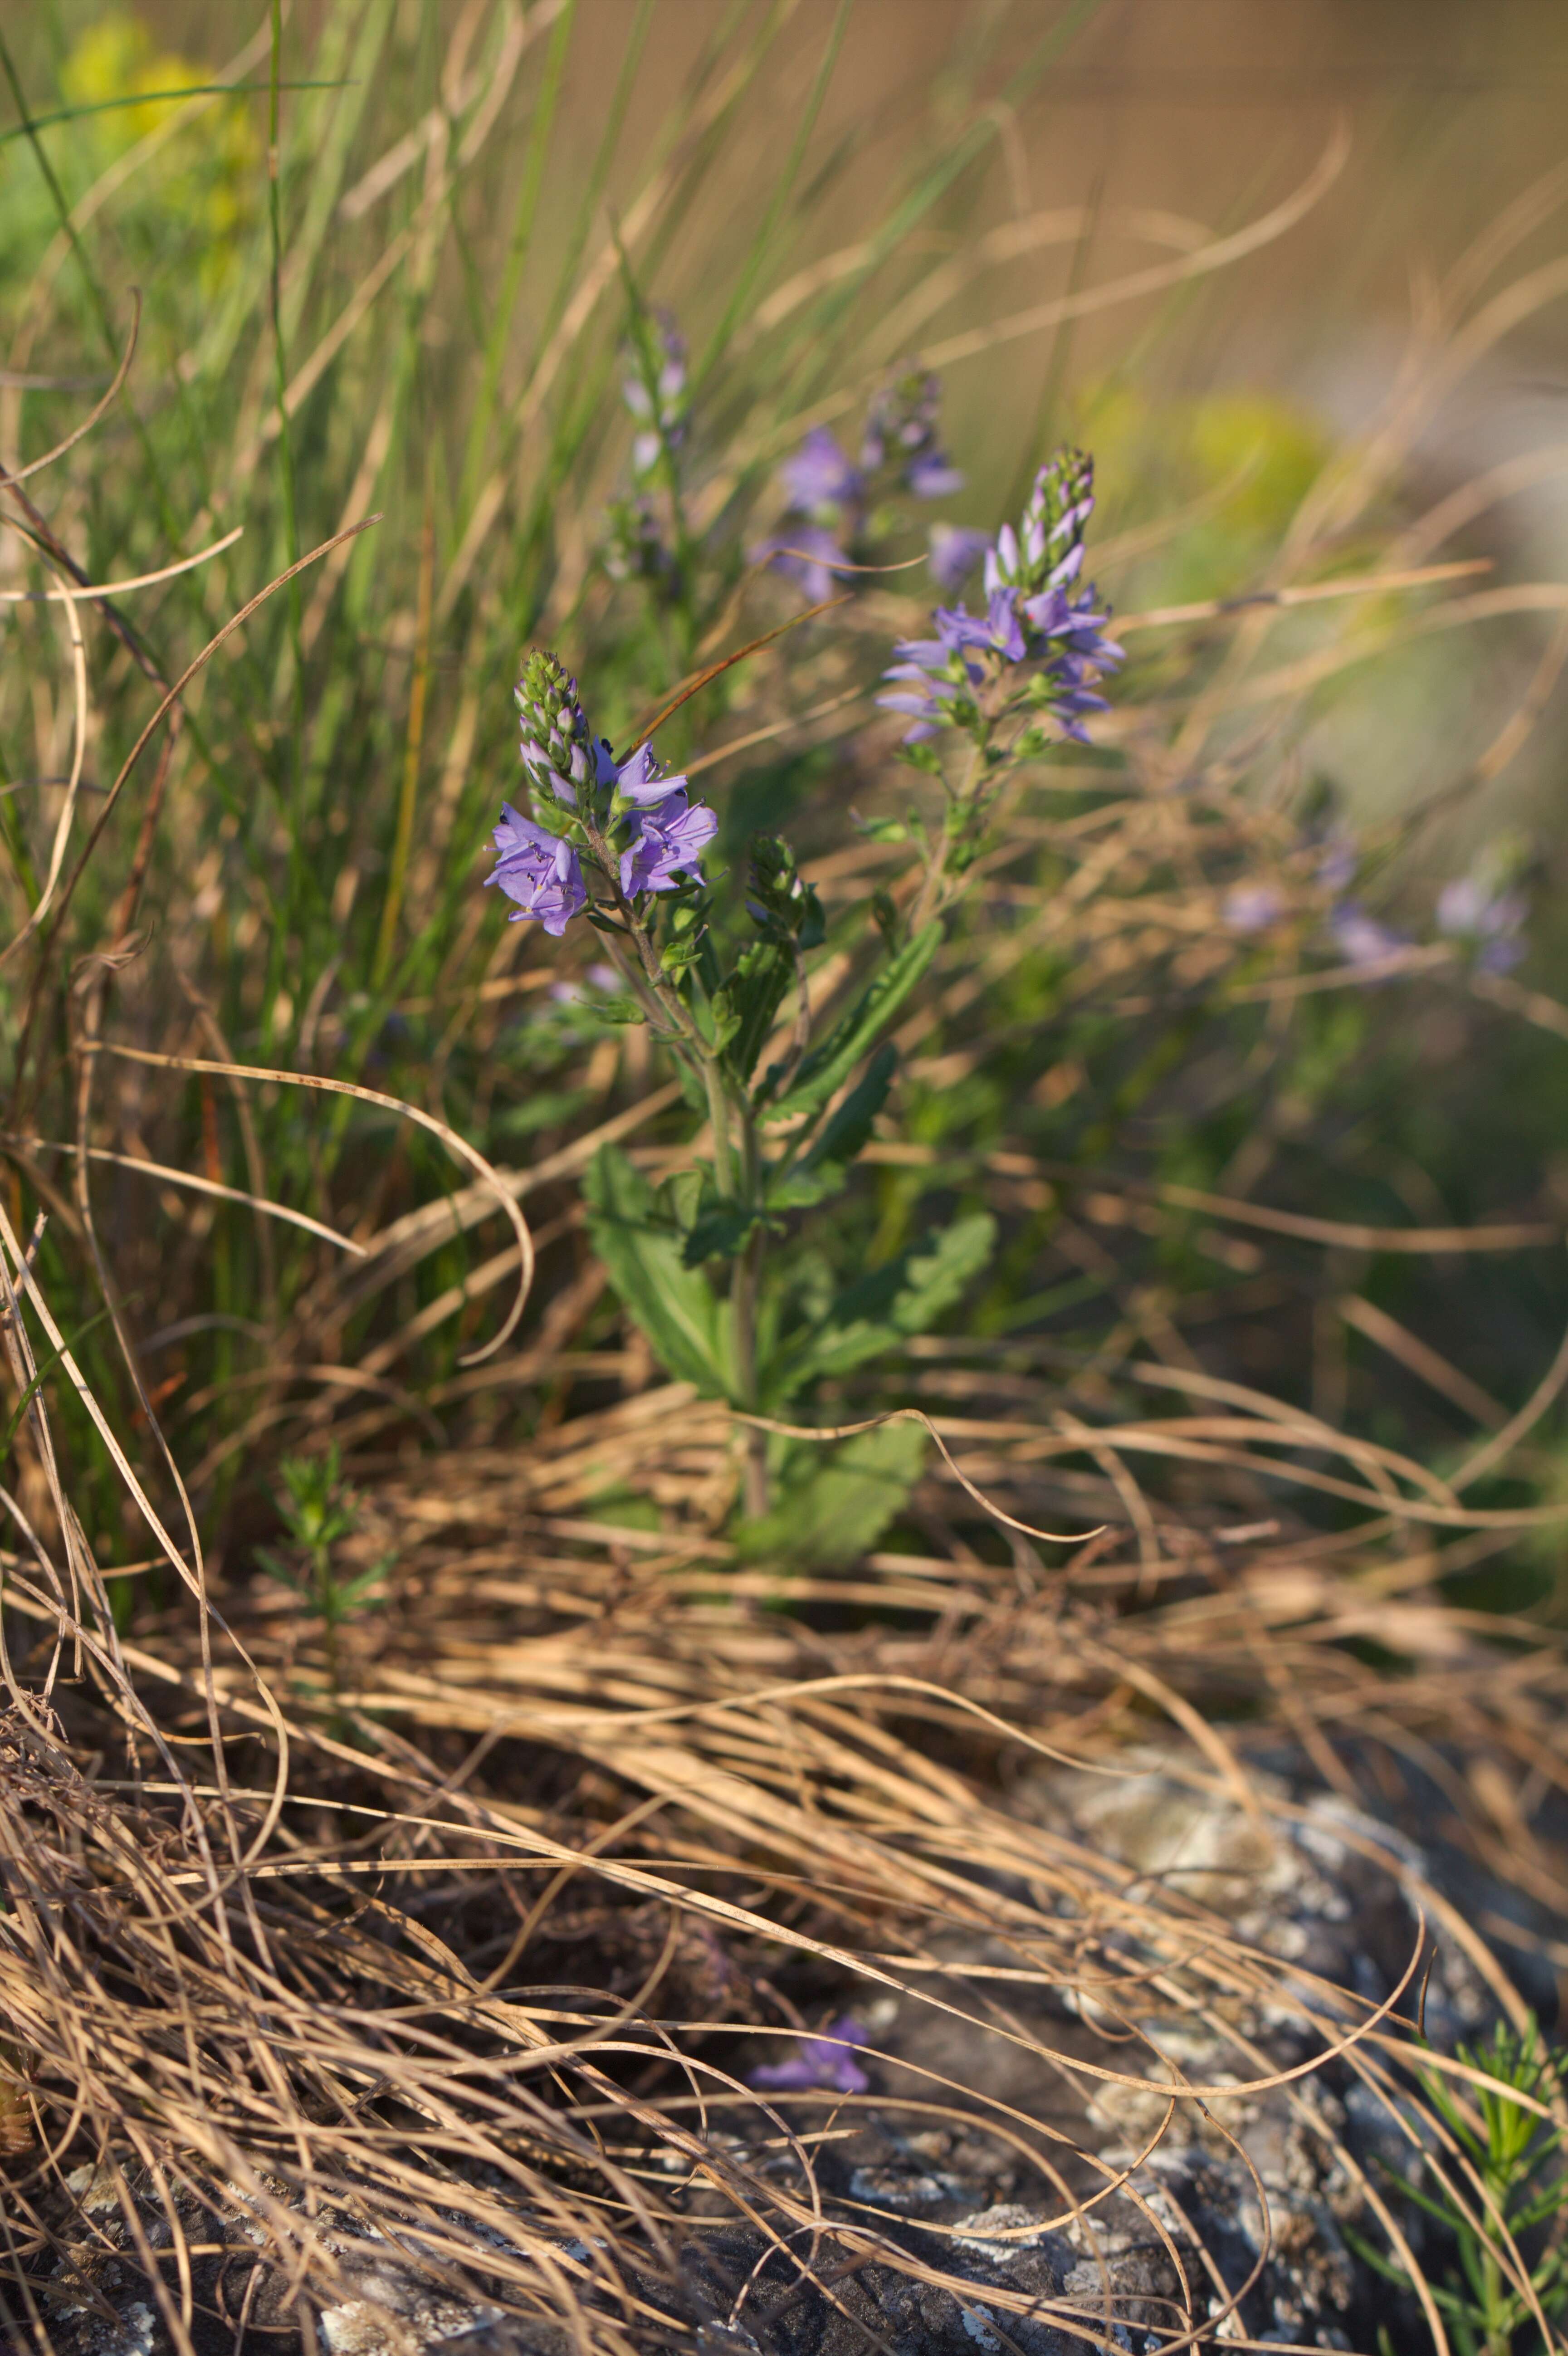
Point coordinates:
pixel 503 1195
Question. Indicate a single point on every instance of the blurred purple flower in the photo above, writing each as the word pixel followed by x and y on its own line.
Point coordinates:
pixel 1490 920
pixel 902 426
pixel 822 2060
pixel 661 407
pixel 932 476
pixel 819 474
pixel 539 871
pixel 1252 907
pixel 1338 861
pixel 1359 938
pixel 955 550
pixel 667 846
pixel 806 553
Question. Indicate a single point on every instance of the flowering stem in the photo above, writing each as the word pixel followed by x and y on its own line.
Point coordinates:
pixel 745 1290
pixel 657 986
pixel 934 891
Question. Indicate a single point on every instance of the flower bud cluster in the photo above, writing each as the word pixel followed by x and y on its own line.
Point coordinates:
pixel 1038 648
pixel 658 394
pixel 833 500
pixel 627 819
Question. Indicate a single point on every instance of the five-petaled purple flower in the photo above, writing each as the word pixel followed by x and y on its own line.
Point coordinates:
pixel 1034 613
pixel 822 2060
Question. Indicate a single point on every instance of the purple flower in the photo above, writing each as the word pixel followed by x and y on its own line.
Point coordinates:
pixel 955 550
pixel 639 779
pixel 822 2060
pixel 819 474
pixel 1359 938
pixel 667 846
pixel 539 871
pixel 932 476
pixel 806 553
pixel 1252 907
pixel 1474 910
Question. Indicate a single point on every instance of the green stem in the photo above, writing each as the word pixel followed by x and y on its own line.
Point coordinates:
pixel 745 1293
pixel 934 891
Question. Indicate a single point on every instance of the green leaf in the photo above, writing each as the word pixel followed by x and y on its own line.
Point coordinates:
pixel 719 1234
pixel 677 954
pixel 824 1070
pixel 908 1296
pixel 919 756
pixel 848 1132
pixel 833 1503
pixel 613 1010
pixel 827 1167
pixel 754 993
pixel 674 1305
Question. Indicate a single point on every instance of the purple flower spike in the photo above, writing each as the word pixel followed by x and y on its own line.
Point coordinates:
pixel 823 2061
pixel 660 408
pixel 667 846
pixel 819 474
pixel 540 871
pixel 1034 613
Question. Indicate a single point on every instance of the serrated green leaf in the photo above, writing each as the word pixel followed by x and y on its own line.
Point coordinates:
pixel 825 1169
pixel 884 1309
pixel 674 1305
pixel 827 1067
pixel 719 1234
pixel 834 1501
pixel 850 1131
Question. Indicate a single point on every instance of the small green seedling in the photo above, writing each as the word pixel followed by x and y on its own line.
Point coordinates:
pixel 319 1508
pixel 1498 2189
